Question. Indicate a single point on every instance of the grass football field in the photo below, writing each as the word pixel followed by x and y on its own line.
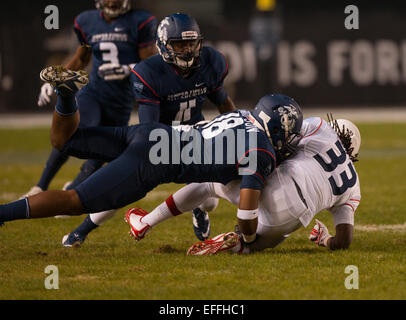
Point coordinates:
pixel 111 265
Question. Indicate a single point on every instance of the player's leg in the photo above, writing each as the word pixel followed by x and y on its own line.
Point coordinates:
pixel 55 161
pixel 42 205
pixel 66 106
pixel 127 178
pixel 66 83
pixel 91 222
pixel 107 115
pixel 90 116
pixel 184 200
pixel 103 143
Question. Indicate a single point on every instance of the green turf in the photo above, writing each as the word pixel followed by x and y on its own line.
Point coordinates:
pixel 110 265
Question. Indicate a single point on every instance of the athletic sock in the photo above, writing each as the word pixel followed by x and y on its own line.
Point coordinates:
pixel 85 227
pixel 161 213
pixel 15 210
pixel 66 105
pixel 54 163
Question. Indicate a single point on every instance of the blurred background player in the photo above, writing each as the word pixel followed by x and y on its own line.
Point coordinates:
pixel 115 38
pixel 171 88
pixel 319 175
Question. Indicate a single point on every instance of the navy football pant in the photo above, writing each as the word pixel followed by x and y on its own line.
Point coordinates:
pixel 93 112
pixel 128 176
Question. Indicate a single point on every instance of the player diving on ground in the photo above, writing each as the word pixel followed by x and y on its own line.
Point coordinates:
pixel 319 175
pixel 248 144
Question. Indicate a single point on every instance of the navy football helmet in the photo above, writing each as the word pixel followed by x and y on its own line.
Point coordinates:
pixel 113 8
pixel 179 31
pixel 281 118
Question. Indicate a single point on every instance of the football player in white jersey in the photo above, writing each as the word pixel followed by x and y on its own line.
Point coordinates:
pixel 319 175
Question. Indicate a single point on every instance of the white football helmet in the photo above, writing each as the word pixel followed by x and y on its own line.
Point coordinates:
pixel 345 127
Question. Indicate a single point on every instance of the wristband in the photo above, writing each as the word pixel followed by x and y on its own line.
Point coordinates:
pixel 247 214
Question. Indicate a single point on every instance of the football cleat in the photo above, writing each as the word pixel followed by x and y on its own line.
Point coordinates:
pixel 201 224
pixel 138 229
pixel 73 239
pixel 33 191
pixel 64 81
pixel 222 242
pixel 64 216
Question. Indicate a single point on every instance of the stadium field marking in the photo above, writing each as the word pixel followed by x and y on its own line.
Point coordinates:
pixel 382 227
pixel 9 196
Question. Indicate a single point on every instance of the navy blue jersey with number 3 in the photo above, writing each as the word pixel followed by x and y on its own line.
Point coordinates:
pixel 115 42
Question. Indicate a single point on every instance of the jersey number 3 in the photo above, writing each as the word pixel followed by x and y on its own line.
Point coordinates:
pixel 111 55
pixel 332 165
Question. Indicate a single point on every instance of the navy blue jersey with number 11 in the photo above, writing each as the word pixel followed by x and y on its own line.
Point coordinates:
pixel 157 85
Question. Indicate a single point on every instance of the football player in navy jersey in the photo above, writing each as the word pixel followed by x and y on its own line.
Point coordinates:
pixel 188 74
pixel 237 145
pixel 115 38
pixel 171 88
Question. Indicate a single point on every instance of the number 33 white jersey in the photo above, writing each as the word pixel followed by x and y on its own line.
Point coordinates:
pixel 319 176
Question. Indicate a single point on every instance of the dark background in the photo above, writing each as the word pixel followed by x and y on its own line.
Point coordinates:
pixel 287 49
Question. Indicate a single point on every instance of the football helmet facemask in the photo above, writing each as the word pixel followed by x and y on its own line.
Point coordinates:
pixel 281 118
pixel 113 8
pixel 179 41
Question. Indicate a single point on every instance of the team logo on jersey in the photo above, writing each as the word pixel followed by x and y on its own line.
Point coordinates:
pixel 288 115
pixel 138 86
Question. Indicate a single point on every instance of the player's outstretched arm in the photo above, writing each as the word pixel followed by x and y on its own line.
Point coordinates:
pixel 247 214
pixel 343 237
pixel 342 240
pixel 227 106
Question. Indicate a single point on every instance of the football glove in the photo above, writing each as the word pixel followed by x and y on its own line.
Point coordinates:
pixel 45 95
pixel 113 71
pixel 319 234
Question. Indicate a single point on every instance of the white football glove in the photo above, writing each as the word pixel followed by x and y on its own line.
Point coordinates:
pixel 113 71
pixel 319 234
pixel 45 95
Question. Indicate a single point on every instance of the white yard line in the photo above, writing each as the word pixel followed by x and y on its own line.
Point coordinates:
pixel 382 227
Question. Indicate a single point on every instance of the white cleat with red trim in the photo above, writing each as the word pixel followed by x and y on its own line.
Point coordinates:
pixel 138 229
pixel 222 242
